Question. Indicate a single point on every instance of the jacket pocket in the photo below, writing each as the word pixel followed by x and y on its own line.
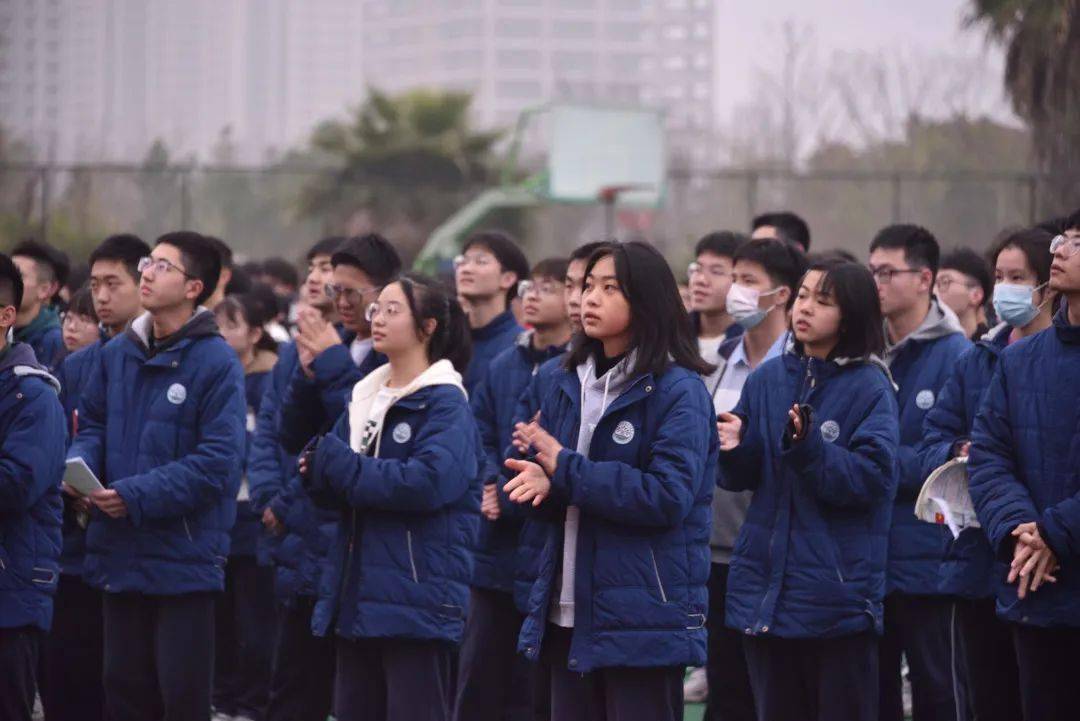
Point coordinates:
pixel 656 572
pixel 412 558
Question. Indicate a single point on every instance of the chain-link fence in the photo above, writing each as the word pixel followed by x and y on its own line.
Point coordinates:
pixel 276 211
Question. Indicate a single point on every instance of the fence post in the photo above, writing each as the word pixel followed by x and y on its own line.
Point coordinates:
pixel 896 198
pixel 44 232
pixel 185 198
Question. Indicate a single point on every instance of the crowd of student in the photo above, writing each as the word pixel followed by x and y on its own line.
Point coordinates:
pixel 546 493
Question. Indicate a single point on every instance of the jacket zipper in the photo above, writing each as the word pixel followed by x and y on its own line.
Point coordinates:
pixel 656 570
pixel 412 560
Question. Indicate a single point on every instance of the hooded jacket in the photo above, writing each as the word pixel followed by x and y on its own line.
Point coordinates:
pixel 968 569
pixel 1025 466
pixel 406 487
pixel 919 365
pixel 32 442
pixel 45 336
pixel 643 490
pixel 494 404
pixel 809 561
pixel 162 423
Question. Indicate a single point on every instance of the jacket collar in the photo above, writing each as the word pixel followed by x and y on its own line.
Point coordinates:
pixel 45 320
pixel 939 322
pixel 625 389
pixel 1066 333
pixel 499 324
pixel 201 323
pixel 20 361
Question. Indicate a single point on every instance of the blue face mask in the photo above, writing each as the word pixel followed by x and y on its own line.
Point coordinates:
pixel 1014 303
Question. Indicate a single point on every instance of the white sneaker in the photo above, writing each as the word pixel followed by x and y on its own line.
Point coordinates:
pixel 696 686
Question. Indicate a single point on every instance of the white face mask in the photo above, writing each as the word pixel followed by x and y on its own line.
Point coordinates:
pixel 742 305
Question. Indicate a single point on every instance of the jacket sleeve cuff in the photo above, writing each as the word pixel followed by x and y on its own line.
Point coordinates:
pixel 328 365
pixel 1053 534
pixel 804 452
pixel 131 501
pixel 560 482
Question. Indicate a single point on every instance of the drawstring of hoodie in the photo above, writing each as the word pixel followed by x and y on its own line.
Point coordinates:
pixel 590 370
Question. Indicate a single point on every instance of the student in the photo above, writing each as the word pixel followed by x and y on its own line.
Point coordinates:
pixel 487 274
pixel 70 678
pixel 38 324
pixel 766 274
pixel 298 535
pixel 624 464
pixel 403 467
pixel 80 325
pixel 986 660
pixel 964 284
pixel 161 424
pixel 1024 482
pixel 923 340
pixel 489 660
pixel 333 361
pixel 782 225
pixel 32 439
pixel 814 437
pixel 710 279
pixel 244 615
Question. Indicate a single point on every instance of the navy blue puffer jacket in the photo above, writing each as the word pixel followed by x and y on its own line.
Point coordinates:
pixel 403 560
pixel 809 561
pixel 1025 465
pixel 969 567
pixel 32 441
pixel 644 493
pixel 165 429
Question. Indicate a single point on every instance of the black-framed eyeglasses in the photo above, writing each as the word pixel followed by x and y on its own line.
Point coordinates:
pixel 352 295
pixel 885 275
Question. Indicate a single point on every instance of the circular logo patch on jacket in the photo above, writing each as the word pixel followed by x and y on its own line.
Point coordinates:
pixel 830 431
pixel 924 399
pixel 623 433
pixel 176 394
pixel 402 433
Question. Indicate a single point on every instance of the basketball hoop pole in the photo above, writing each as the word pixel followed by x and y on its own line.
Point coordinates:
pixel 608 196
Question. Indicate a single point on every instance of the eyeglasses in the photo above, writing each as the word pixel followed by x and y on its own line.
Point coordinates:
pixel 350 295
pixel 1068 247
pixel 716 271
pixel 545 287
pixel 160 265
pixel 389 310
pixel 480 260
pixel 944 282
pixel 886 275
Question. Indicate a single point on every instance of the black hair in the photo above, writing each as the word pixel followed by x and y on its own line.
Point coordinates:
pixel 123 248
pixel 82 303
pixel 661 331
pixel 264 295
pixel 248 307
pixel 1054 226
pixel 239 282
pixel 1073 223
pixel 11 283
pixel 252 268
pixel 1034 243
pixel 722 242
pixel 790 227
pixel 921 249
pixel 78 276
pixel 201 258
pixel 428 298
pixel 784 263
pixel 833 254
pixel 371 253
pixel 282 271
pixel 584 252
pixel 326 246
pixel 53 261
pixel 510 257
pixel 551 268
pixel 223 250
pixel 973 265
pixel 852 287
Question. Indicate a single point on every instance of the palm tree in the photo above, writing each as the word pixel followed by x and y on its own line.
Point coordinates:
pixel 1042 78
pixel 403 162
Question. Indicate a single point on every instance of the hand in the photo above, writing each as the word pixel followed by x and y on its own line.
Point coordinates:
pixel 110 502
pixel 729 428
pixel 306 357
pixel 797 424
pixel 271 523
pixel 530 483
pixel 963 450
pixel 518 437
pixel 80 502
pixel 546 447
pixel 1033 562
pixel 315 332
pixel 303 464
pixel 489 502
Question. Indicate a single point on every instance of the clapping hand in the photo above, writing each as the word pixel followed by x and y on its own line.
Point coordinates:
pixel 531 484
pixel 729 428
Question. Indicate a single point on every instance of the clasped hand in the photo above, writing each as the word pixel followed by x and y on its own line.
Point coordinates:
pixel 532 484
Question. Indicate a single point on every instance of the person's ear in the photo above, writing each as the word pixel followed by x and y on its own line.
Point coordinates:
pixel 507 279
pixel 428 327
pixel 193 287
pixel 977 296
pixel 48 290
pixel 255 334
pixel 926 281
pixel 7 316
pixel 783 296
